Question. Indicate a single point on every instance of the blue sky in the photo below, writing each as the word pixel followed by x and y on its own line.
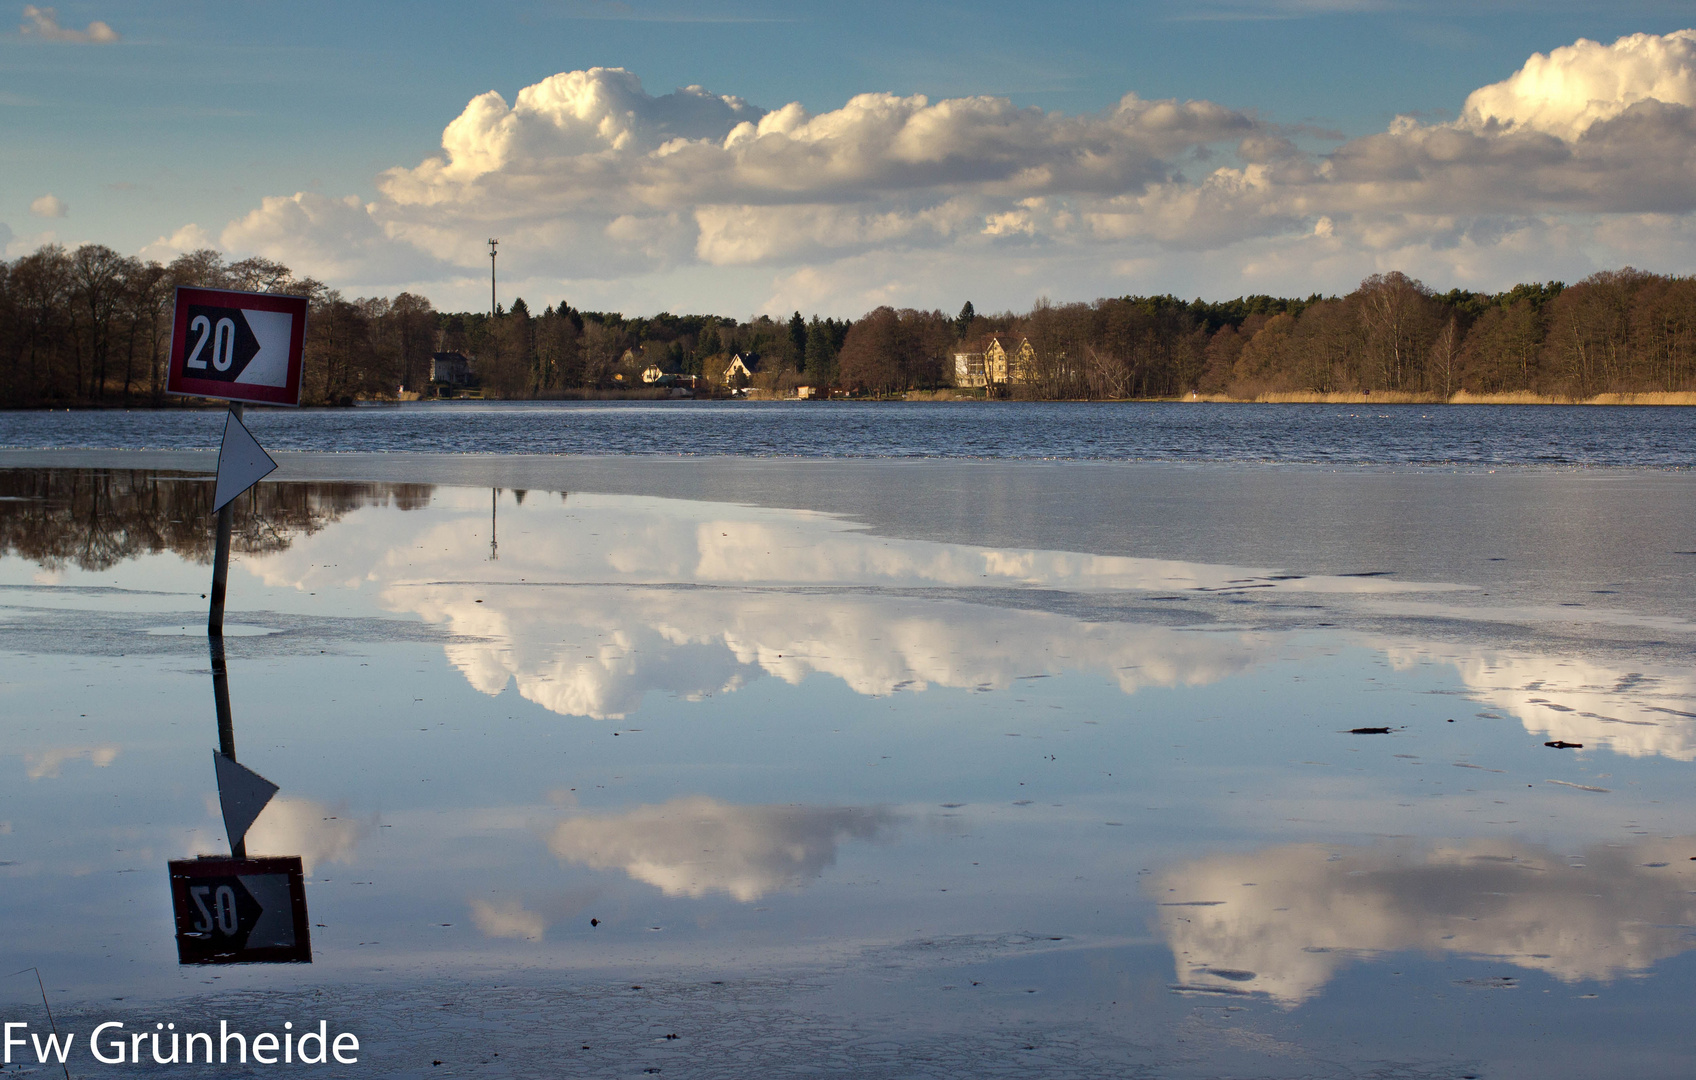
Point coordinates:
pixel 200 111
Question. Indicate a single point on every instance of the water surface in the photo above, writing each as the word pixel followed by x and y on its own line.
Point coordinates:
pixel 1473 435
pixel 856 801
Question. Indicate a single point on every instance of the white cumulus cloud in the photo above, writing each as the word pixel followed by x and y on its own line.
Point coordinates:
pixel 49 206
pixel 591 178
pixel 600 177
pixel 1574 87
pixel 43 22
pixel 190 237
pixel 328 237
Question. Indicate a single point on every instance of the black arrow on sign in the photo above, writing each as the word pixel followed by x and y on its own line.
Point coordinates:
pixel 246 346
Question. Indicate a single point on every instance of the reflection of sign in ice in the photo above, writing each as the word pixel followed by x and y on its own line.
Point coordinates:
pixel 236 911
pixel 242 794
pixel 237 346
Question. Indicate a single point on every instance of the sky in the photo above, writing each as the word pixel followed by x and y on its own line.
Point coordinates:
pixel 749 156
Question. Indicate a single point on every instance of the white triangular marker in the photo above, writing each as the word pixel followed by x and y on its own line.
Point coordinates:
pixel 242 462
pixel 242 793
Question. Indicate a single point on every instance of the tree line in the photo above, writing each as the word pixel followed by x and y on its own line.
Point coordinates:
pixel 92 327
pixel 1619 331
pixel 564 352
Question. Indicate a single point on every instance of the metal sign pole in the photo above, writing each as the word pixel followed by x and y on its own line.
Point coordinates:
pixel 240 347
pixel 215 634
pixel 221 558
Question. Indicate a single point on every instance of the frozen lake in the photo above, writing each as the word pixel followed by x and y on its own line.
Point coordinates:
pixel 874 768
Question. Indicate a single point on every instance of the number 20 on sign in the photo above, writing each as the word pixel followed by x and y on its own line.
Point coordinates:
pixel 237 346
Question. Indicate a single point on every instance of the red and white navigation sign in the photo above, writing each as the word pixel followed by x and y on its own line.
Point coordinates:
pixel 238 346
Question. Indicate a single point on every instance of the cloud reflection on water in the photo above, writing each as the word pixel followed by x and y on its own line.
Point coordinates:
pixel 647 540
pixel 537 617
pixel 596 651
pixel 507 919
pixel 317 832
pixel 1643 711
pixel 698 845
pixel 788 594
pixel 46 764
pixel 1283 921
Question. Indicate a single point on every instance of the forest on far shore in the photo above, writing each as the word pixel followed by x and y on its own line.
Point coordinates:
pixel 92 327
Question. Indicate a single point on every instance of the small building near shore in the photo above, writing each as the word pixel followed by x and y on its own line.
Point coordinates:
pixel 999 363
pixel 968 369
pixel 677 386
pixel 740 365
pixel 1002 364
pixel 451 369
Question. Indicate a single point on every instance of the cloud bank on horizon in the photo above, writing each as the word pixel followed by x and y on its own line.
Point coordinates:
pixel 1581 159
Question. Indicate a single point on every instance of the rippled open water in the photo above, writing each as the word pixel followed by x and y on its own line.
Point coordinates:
pixel 1333 434
pixel 933 768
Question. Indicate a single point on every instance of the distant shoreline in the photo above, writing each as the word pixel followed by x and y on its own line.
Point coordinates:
pixel 1297 397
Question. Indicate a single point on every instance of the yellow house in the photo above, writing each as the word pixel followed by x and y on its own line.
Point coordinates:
pixel 995 366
